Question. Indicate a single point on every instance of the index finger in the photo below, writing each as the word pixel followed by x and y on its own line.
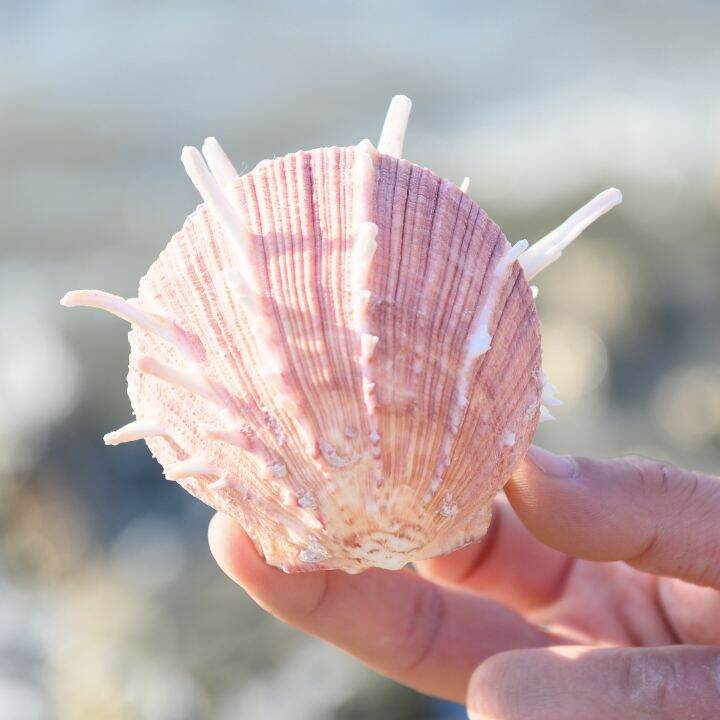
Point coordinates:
pixel 508 565
pixel 400 624
pixel 654 516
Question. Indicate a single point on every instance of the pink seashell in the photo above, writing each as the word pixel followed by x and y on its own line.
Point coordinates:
pixel 341 350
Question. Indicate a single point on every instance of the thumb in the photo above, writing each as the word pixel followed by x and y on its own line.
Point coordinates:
pixel 567 683
pixel 654 516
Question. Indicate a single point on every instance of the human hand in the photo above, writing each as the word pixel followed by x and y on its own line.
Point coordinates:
pixel 593 595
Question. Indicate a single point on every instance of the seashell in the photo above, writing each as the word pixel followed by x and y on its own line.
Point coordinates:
pixel 341 350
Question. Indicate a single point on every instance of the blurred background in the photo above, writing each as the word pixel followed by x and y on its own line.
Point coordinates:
pixel 110 605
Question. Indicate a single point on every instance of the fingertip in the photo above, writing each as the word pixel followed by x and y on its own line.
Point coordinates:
pixel 548 463
pixel 220 526
pixel 231 547
pixel 486 689
pixel 556 486
pixel 562 500
pixel 226 536
pixel 285 595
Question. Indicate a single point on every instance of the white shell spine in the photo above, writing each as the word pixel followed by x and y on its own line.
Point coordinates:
pixel 392 137
pixel 548 249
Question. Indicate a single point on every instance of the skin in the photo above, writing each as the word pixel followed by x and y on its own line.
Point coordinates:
pixel 594 595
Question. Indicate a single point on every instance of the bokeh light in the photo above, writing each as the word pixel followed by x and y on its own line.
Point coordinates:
pixel 576 355
pixel 687 404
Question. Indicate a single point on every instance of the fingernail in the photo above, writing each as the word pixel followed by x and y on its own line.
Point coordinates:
pixel 474 716
pixel 561 466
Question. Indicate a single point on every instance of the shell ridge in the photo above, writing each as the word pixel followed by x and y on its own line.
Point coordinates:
pixel 465 474
pixel 221 256
pixel 338 260
pixel 356 311
pixel 497 313
pixel 381 202
pixel 318 364
pixel 398 219
pixel 445 343
pixel 409 205
pixel 347 200
pixel 421 252
pixel 432 340
pixel 243 319
pixel 428 273
pixel 366 181
pixel 208 301
pixel 440 235
pixel 292 324
pixel 289 391
pixel 262 449
pixel 306 287
pixel 338 376
pixel 459 406
pixel 299 188
pixel 395 175
pixel 445 334
pixel 338 412
pixel 364 248
pixel 473 422
pixel 247 197
pixel 499 246
pixel 399 174
pixel 429 215
pixel 454 283
pixel 345 258
pixel 338 365
pixel 456 336
pixel 365 178
pixel 480 259
pixel 210 309
pixel 318 189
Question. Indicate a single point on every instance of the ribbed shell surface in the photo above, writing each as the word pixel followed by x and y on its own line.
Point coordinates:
pixel 320 489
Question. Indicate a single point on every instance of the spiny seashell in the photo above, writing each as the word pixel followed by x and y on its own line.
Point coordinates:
pixel 341 350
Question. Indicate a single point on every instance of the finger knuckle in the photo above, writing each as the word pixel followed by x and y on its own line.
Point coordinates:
pixel 655 685
pixel 673 500
pixel 663 479
pixel 653 477
pixel 644 681
pixel 418 637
